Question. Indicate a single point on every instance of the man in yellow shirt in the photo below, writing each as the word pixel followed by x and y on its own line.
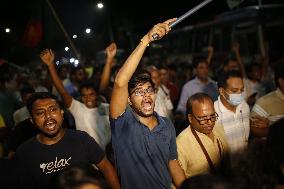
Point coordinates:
pixel 201 147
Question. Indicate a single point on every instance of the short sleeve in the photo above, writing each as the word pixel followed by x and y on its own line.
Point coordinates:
pixel 95 152
pixel 173 144
pixel 75 107
pixel 120 123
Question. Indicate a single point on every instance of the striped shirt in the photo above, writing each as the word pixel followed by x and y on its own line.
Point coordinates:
pixel 236 125
pixel 270 106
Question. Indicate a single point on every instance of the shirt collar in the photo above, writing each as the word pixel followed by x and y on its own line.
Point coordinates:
pixel 279 94
pixel 159 119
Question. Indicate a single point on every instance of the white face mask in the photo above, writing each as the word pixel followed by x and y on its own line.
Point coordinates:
pixel 235 99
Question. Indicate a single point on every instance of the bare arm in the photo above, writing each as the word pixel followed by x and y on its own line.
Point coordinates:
pixel 210 54
pixel 110 51
pixel 119 96
pixel 236 50
pixel 265 61
pixel 176 172
pixel 109 173
pixel 47 56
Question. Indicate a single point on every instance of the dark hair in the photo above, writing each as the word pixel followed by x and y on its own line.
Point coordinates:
pixel 41 95
pixel 87 85
pixel 222 79
pixel 201 97
pixel 26 90
pixel 75 176
pixel 226 62
pixel 279 73
pixel 139 77
pixel 251 66
pixel 198 60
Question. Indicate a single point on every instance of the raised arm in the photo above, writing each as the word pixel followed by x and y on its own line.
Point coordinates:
pixel 236 50
pixel 110 51
pixel 265 62
pixel 47 56
pixel 119 96
pixel 210 50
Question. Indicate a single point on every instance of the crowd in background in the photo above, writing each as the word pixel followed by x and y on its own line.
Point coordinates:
pixel 246 101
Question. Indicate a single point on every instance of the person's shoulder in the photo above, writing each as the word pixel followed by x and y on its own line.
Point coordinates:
pixel 27 145
pixel 245 106
pixel 272 94
pixel 183 134
pixel 266 98
pixel 190 82
pixel 219 129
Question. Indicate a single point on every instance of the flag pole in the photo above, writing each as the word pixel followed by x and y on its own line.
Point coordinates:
pixel 63 30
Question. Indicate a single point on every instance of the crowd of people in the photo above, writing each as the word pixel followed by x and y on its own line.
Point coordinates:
pixel 143 124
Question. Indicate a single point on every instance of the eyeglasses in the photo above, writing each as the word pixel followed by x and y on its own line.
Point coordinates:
pixel 142 92
pixel 205 119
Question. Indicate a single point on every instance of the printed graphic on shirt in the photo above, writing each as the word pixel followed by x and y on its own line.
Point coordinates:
pixel 54 166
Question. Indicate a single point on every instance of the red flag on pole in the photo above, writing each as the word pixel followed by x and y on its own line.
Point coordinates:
pixel 33 34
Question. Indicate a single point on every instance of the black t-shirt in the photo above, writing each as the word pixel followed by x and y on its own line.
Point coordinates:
pixel 21 133
pixel 36 163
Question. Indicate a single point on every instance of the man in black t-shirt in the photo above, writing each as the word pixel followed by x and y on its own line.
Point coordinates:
pixel 56 148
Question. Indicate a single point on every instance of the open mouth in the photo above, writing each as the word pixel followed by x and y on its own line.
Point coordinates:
pixel 50 124
pixel 89 104
pixel 147 105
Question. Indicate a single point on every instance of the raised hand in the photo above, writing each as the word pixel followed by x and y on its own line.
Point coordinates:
pixel 259 122
pixel 47 56
pixel 161 29
pixel 111 50
pixel 210 49
pixel 236 47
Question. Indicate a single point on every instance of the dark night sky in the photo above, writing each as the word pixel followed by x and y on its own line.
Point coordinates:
pixel 136 16
pixel 142 14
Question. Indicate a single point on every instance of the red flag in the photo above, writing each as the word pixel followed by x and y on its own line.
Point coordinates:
pixel 33 34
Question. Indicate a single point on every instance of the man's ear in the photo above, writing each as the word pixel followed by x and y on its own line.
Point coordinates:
pixel 221 90
pixel 62 112
pixel 129 102
pixel 189 118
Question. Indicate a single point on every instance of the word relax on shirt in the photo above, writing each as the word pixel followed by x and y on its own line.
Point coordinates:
pixel 54 166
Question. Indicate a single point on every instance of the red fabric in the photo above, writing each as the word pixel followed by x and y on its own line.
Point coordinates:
pixel 33 34
pixel 174 91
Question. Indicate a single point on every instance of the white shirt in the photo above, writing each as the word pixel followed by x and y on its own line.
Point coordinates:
pixel 236 125
pixel 21 115
pixel 94 121
pixel 192 87
pixel 163 103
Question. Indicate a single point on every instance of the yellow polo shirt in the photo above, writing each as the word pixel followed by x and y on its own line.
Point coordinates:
pixel 191 156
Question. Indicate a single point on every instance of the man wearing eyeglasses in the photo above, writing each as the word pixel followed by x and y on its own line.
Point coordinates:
pixel 202 147
pixel 144 143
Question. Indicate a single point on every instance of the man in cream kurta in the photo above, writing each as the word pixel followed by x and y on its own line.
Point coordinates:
pixel 202 117
pixel 191 156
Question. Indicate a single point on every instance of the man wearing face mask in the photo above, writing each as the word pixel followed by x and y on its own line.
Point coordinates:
pixel 233 111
